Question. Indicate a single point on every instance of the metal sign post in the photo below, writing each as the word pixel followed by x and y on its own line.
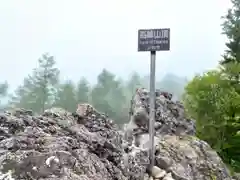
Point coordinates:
pixel 153 40
pixel 152 108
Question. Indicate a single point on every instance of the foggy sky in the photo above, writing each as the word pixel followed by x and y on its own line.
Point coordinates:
pixel 88 35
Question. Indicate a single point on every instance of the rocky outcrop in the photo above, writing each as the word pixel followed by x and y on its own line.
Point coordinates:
pixel 59 145
pixel 170 117
pixel 86 145
pixel 179 154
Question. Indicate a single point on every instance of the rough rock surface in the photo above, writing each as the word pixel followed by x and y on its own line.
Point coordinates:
pixel 170 117
pixel 61 145
pixel 179 154
pixel 86 145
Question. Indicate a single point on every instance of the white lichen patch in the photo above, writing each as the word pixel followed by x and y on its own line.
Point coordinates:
pixel 50 159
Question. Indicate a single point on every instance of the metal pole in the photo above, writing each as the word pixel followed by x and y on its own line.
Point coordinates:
pixel 152 108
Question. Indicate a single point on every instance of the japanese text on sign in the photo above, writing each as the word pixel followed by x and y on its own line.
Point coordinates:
pixel 154 40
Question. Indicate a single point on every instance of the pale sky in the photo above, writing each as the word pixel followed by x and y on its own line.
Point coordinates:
pixel 88 35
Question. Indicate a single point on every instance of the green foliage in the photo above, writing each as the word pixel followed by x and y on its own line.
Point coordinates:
pixel 38 89
pixel 231 58
pixel 213 99
pixel 42 89
pixel 107 95
pixel 215 105
pixel 22 96
pixel 66 97
pixel 231 71
pixel 231 28
pixel 134 82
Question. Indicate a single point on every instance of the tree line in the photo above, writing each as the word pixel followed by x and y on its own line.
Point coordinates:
pixel 213 98
pixel 43 89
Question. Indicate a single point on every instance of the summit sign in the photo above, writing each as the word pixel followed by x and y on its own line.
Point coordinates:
pixel 154 39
